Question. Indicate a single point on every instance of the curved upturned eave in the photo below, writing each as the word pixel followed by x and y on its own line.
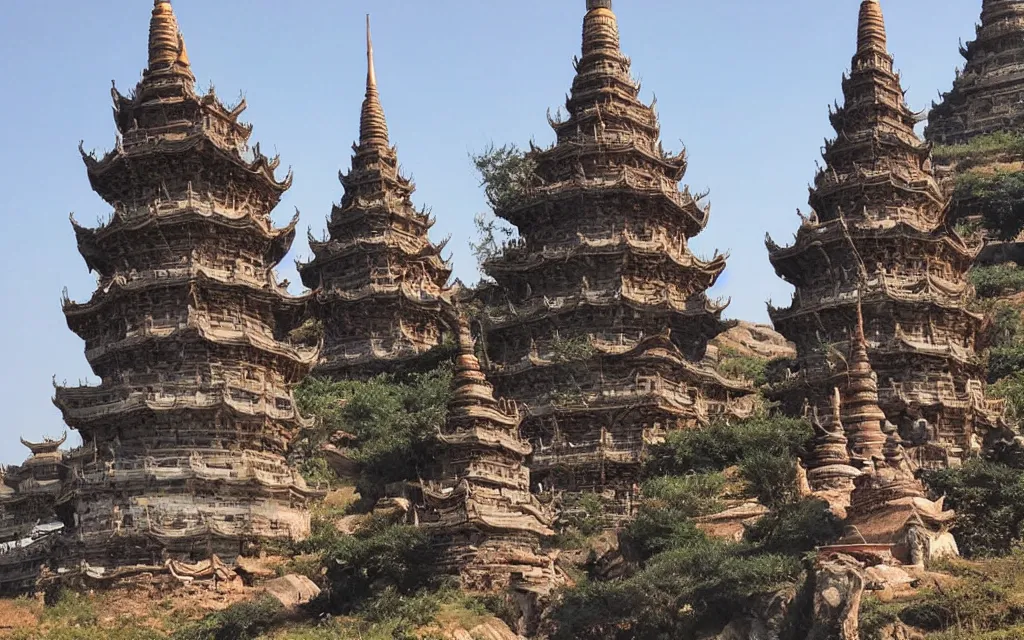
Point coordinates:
pixel 391 208
pixel 332 251
pixel 780 256
pixel 90 241
pixel 782 316
pixel 261 168
pixel 119 290
pixel 520 215
pixel 654 349
pixel 856 184
pixel 543 314
pixel 487 439
pixel 328 296
pixel 712 269
pixel 302 358
pixel 563 151
pixel 86 414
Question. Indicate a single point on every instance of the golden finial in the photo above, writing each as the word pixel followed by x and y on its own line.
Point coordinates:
pixel 166 45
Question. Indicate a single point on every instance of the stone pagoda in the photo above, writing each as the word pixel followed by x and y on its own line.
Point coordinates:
pixel 478 506
pixel 29 522
pixel 186 435
pixel 878 238
pixel 379 279
pixel 599 323
pixel 977 127
pixel 988 95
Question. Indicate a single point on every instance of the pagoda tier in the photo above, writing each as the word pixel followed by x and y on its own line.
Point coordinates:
pixel 599 321
pixel 29 523
pixel 986 95
pixel 380 282
pixel 186 435
pixel 478 506
pixel 879 239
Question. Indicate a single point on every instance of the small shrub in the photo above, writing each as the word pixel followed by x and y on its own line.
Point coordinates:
pixel 1011 389
pixel 999 197
pixel 1000 143
pixel 243 621
pixel 664 520
pixel 394 422
pixel 572 349
pixel 771 477
pixel 679 592
pixel 997 280
pixel 381 558
pixel 581 516
pixel 749 368
pixel 796 528
pixel 72 609
pixel 722 445
pixel 988 498
pixel 1004 362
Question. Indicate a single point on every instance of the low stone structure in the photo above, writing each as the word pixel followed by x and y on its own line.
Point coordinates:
pixel 830 470
pixel 28 515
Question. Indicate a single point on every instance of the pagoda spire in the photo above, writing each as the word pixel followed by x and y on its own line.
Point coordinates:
pixel 167 52
pixel 373 127
pixel 601 29
pixel 871 28
pixel 470 386
pixel 862 416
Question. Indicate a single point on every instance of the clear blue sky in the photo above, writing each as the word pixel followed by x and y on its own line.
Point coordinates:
pixel 744 83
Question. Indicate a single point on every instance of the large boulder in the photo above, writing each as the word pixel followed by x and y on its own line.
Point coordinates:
pixel 751 340
pixel 292 590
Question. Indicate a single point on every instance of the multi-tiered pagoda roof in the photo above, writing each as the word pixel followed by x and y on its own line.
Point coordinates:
pixel 879 238
pixel 600 318
pixel 379 280
pixel 986 95
pixel 185 437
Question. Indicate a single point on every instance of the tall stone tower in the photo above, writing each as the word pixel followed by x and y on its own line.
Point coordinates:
pixel 600 320
pixel 379 279
pixel 988 95
pixel 878 238
pixel 186 435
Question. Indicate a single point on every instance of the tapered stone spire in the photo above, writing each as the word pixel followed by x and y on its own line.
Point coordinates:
pixel 862 417
pixel 871 28
pixel 373 127
pixel 166 45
